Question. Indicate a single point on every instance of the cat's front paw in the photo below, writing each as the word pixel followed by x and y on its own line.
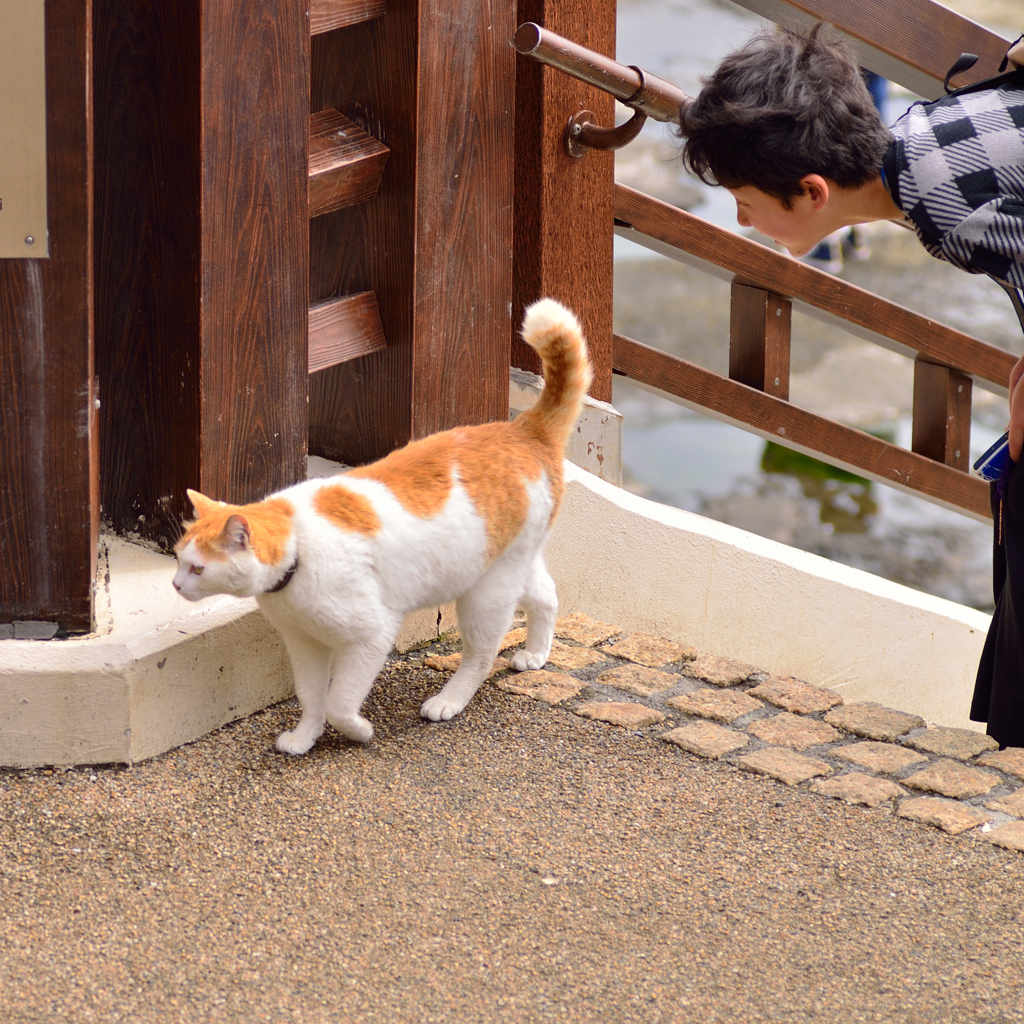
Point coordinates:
pixel 355 727
pixel 524 661
pixel 440 708
pixel 294 742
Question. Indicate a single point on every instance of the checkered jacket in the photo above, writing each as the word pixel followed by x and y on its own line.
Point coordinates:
pixel 956 168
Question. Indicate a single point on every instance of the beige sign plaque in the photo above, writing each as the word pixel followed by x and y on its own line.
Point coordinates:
pixel 22 130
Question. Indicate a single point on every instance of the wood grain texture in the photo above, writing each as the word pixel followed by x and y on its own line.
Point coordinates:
pixel 433 82
pixel 788 425
pixel 759 339
pixel 942 415
pixel 202 125
pixel 822 295
pixel 49 504
pixel 344 328
pixel 345 163
pixel 327 15
pixel 914 42
pixel 563 205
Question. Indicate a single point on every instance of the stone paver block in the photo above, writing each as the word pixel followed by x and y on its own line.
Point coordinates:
pixel 789 730
pixel 585 630
pixel 649 650
pixel 570 658
pixel 450 662
pixel 705 739
pixel 1010 836
pixel 549 687
pixel 639 679
pixel 879 757
pixel 721 705
pixel 864 718
pixel 629 716
pixel 719 671
pixel 513 638
pixel 1010 760
pixel 952 779
pixel 794 695
pixel 963 744
pixel 1012 804
pixel 858 788
pixel 784 764
pixel 949 815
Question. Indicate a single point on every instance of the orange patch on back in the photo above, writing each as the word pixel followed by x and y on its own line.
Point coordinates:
pixel 270 526
pixel 347 510
pixel 494 462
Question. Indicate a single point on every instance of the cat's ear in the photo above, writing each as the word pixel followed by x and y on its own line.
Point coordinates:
pixel 236 533
pixel 202 504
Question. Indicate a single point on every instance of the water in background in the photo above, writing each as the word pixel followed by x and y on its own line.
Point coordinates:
pixel 697 463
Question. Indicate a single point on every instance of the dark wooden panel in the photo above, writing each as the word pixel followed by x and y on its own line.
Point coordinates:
pixel 914 42
pixel 563 220
pixel 342 329
pixel 345 163
pixel 49 508
pixel 821 295
pixel 325 15
pixel 789 425
pixel 148 280
pixel 942 414
pixel 433 82
pixel 759 339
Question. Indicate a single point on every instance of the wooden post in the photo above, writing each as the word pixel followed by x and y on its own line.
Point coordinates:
pixel 49 503
pixel 942 414
pixel 202 235
pixel 564 214
pixel 759 336
pixel 432 80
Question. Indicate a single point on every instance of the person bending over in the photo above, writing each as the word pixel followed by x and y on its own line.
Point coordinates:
pixel 788 126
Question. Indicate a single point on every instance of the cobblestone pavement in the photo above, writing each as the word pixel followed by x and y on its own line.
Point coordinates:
pixel 530 860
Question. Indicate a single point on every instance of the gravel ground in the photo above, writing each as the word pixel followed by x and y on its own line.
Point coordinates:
pixel 519 864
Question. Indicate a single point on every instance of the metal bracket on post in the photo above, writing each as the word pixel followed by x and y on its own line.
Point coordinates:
pixel 582 133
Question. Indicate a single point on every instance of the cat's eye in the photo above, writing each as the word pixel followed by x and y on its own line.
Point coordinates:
pixel 197 569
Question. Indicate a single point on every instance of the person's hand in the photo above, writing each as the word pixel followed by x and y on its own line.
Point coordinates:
pixel 1016 410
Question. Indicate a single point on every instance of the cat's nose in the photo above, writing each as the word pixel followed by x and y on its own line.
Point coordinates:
pixel 176 585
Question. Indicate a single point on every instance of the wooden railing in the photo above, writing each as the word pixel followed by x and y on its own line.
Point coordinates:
pixel 913 44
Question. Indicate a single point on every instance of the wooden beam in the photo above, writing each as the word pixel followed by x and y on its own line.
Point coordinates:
pixel 803 431
pixel 327 15
pixel 433 81
pixel 343 328
pixel 563 243
pixel 49 502
pixel 729 256
pixel 345 163
pixel 202 253
pixel 914 42
pixel 942 415
pixel 759 336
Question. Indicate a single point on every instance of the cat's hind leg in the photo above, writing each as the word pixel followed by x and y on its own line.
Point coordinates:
pixel 540 602
pixel 311 666
pixel 484 613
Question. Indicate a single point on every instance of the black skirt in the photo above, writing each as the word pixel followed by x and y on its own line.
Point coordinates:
pixel 999 689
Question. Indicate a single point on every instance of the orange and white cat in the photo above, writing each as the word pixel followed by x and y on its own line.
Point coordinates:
pixel 336 564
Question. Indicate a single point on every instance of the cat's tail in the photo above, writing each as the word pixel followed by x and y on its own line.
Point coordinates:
pixel 556 335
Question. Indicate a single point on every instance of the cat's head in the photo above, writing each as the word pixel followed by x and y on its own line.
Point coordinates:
pixel 232 549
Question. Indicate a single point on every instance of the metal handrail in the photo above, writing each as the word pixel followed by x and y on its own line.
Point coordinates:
pixel 636 88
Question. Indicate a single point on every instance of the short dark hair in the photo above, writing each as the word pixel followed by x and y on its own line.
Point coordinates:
pixel 783 106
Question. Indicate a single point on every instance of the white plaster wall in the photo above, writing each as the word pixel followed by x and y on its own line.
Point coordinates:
pixel 646 566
